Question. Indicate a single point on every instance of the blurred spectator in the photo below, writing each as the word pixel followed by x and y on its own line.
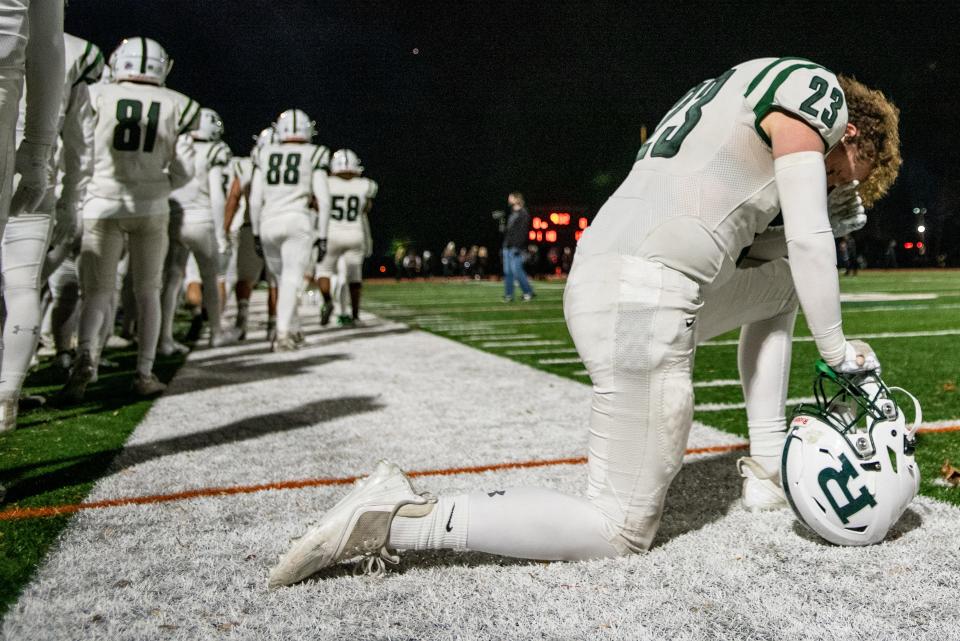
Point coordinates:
pixel 842 254
pixel 514 240
pixel 426 266
pixel 448 259
pixel 398 261
pixel 566 260
pixel 890 255
pixel 483 262
pixel 853 264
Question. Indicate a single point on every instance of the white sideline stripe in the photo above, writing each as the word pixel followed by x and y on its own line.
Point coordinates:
pixel 534 352
pixel 899 308
pixel 476 331
pixel 879 297
pixel 950 422
pixel 520 343
pixel 809 339
pixel 491 323
pixel 558 361
pixel 726 382
pixel 486 337
pixel 720 407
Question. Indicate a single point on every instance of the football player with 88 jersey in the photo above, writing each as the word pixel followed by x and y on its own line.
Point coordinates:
pixel 139 157
pixel 658 271
pixel 290 176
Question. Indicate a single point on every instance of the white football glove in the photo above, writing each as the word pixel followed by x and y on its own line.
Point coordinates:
pixel 858 358
pixel 847 214
pixel 33 165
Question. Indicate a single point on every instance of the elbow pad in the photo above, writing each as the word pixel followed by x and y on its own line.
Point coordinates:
pixel 802 185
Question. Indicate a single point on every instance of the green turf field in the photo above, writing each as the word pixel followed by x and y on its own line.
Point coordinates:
pixel 56 455
pixel 925 303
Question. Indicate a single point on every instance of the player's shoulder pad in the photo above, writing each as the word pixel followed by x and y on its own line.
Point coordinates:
pixel 801 88
pixel 372 188
pixel 219 154
pixel 188 111
pixel 320 159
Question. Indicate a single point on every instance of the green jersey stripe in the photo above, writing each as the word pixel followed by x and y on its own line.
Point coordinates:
pixel 86 72
pixel 759 78
pixel 765 103
pixel 82 62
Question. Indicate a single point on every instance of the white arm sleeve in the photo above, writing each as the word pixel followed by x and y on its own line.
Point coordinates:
pixel 44 72
pixel 322 193
pixel 802 184
pixel 182 165
pixel 217 201
pixel 256 200
pixel 77 150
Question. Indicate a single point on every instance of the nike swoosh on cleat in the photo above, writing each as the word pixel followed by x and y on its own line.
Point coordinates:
pixel 450 520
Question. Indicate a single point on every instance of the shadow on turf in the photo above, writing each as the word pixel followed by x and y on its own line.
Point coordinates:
pixel 218 374
pixel 909 522
pixel 90 468
pixel 703 492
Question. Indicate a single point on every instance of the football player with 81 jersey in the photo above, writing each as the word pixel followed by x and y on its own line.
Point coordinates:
pixel 139 158
pixel 767 136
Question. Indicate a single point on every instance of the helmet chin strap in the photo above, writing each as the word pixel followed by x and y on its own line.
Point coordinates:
pixel 918 413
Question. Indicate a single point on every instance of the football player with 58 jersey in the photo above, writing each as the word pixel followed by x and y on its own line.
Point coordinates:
pixel 768 136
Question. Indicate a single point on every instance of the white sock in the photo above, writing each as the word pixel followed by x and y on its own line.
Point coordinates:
pixel 444 528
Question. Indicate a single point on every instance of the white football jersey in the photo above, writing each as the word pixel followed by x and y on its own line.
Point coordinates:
pixel 348 202
pixel 135 140
pixel 703 184
pixel 285 172
pixel 194 197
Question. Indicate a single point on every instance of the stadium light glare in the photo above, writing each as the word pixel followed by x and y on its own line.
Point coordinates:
pixel 908 245
pixel 551 236
pixel 532 235
pixel 577 234
pixel 921 228
pixel 916 210
pixel 583 222
pixel 919 245
pixel 383 269
pixel 536 222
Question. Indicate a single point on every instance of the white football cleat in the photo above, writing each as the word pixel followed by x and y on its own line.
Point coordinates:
pixel 356 527
pixel 148 385
pixel 8 414
pixel 761 489
pixel 171 348
pixel 225 337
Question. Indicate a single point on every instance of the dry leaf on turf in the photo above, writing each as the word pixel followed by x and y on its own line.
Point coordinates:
pixel 950 474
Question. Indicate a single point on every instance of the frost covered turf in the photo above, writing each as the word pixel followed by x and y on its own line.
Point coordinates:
pixel 240 417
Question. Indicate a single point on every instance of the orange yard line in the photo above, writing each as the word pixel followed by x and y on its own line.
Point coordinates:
pixel 13 514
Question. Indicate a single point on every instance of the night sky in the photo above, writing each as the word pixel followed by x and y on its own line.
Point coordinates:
pixel 452 105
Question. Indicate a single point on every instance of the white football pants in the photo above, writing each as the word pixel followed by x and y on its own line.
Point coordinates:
pixel 25 243
pixel 249 265
pixel 103 242
pixel 635 324
pixel 10 91
pixel 349 248
pixel 64 285
pixel 287 247
pixel 199 239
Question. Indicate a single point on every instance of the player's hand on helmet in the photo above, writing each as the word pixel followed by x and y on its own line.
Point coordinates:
pixel 33 165
pixel 858 358
pixel 847 214
pixel 321 245
pixel 258 246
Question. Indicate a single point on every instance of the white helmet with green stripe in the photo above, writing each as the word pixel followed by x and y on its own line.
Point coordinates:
pixel 210 126
pixel 345 161
pixel 141 60
pixel 848 465
pixel 294 125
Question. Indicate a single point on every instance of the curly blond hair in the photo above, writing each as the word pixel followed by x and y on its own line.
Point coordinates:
pixel 877 120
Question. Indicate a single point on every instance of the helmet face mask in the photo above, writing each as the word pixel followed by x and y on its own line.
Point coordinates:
pixel 141 60
pixel 848 468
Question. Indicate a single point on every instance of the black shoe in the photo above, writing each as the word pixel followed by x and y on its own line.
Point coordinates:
pixel 196 326
pixel 325 312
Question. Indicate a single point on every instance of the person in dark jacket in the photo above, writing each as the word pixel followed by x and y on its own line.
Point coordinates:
pixel 514 242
